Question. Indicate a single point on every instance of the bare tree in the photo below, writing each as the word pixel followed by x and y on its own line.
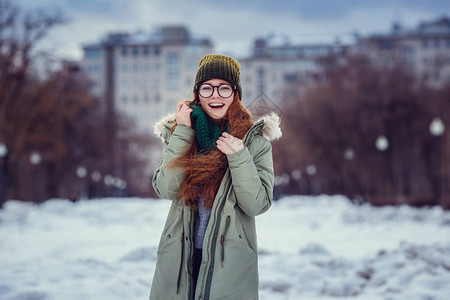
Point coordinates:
pixel 19 35
pixel 364 129
pixel 55 132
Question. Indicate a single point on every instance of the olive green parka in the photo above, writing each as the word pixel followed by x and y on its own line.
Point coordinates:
pixel 229 267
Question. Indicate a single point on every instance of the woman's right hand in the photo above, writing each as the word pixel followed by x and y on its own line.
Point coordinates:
pixel 183 114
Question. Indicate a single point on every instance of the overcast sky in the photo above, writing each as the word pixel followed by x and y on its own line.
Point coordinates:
pixel 233 25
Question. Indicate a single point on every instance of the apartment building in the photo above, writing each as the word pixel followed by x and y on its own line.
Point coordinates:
pixel 145 74
pixel 272 67
pixel 424 49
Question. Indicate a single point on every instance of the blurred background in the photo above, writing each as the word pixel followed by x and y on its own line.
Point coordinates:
pixel 362 88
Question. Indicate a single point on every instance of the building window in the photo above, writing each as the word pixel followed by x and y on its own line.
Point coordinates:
pixel 146 67
pixel 147 99
pixel 135 67
pixel 408 54
pixel 135 51
pixel 436 75
pixel 426 44
pixel 274 75
pixel 408 50
pixel 192 64
pixel 135 99
pixel 146 51
pixel 157 50
pixel 173 70
pixel 124 68
pixel 259 51
pixel 437 43
pixel 124 51
pixel 261 75
pixel 157 98
pixel 194 50
pixel 124 99
pixel 93 53
pixel 291 77
pixel 155 83
pixel 94 69
pixel 386 45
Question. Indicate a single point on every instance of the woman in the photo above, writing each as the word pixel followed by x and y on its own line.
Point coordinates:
pixel 217 168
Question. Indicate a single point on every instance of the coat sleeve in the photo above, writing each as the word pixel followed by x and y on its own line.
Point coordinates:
pixel 253 177
pixel 167 181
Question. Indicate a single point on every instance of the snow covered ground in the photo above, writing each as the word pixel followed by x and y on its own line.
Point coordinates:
pixel 310 248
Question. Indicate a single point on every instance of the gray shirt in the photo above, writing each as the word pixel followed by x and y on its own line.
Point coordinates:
pixel 202 219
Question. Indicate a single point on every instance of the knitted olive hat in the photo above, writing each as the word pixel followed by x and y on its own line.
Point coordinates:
pixel 219 66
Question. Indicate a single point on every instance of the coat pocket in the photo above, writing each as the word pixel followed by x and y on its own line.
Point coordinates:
pixel 243 237
pixel 244 227
pixel 173 229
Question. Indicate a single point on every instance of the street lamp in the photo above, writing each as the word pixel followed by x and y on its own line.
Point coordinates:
pixel 311 170
pixel 349 154
pixel 437 129
pixel 108 180
pixel 382 143
pixel 81 174
pixel 3 150
pixel 96 177
pixel 35 159
pixel 296 174
pixel 3 153
pixel 121 185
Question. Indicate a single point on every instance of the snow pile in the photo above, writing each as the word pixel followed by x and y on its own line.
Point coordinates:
pixel 310 248
pixel 326 248
pixel 409 272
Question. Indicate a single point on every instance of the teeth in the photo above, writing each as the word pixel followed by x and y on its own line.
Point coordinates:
pixel 216 104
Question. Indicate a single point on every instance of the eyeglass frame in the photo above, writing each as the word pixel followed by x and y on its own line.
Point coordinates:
pixel 197 87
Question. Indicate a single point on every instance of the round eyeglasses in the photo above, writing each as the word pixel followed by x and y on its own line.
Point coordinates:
pixel 206 90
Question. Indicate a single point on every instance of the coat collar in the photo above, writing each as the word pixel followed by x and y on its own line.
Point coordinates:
pixel 269 124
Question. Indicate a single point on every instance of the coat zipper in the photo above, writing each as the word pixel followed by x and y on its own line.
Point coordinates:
pixel 181 263
pixel 210 269
pixel 181 258
pixel 222 240
pixel 190 289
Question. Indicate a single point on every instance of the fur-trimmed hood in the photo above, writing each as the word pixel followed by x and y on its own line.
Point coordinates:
pixel 270 128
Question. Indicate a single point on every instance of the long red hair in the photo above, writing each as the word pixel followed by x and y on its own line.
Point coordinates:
pixel 204 171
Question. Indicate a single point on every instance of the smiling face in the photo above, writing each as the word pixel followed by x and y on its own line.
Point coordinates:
pixel 215 106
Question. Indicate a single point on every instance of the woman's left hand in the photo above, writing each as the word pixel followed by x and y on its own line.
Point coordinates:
pixel 229 144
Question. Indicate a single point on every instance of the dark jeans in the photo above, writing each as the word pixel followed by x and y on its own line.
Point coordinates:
pixel 196 265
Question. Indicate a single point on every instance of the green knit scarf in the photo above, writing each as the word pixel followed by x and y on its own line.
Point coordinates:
pixel 206 132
